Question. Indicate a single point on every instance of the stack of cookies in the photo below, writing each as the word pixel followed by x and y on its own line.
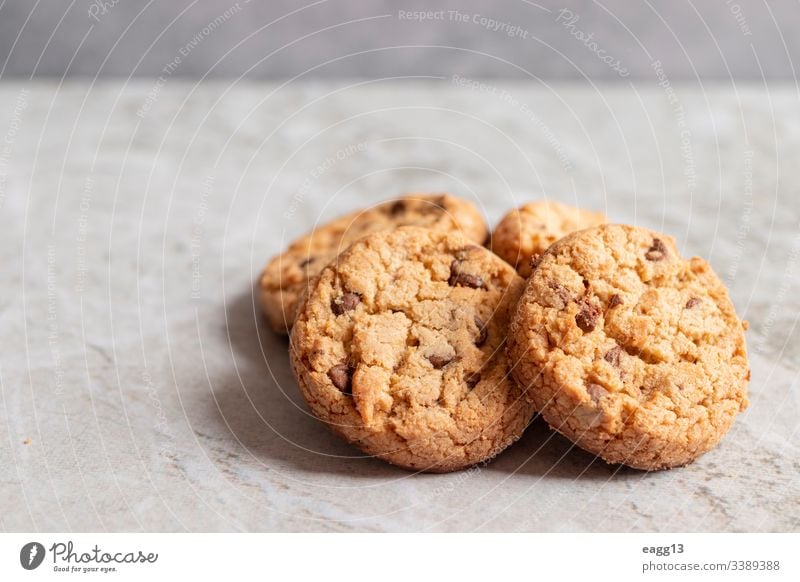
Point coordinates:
pixel 419 345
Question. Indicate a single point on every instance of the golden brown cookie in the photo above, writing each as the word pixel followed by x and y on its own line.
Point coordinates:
pixel 528 230
pixel 630 351
pixel 286 276
pixel 399 348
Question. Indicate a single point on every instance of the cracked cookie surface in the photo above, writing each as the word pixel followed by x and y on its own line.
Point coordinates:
pixel 400 349
pixel 630 351
pixel 287 275
pixel 530 229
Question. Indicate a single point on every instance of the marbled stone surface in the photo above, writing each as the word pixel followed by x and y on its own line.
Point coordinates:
pixel 141 389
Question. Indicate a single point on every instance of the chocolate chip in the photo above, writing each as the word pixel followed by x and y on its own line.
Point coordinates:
pixel 596 391
pixel 587 317
pixel 464 280
pixel 614 301
pixel 345 303
pixel 398 207
pixel 340 376
pixel 472 379
pixel 459 279
pixel 438 361
pixel 613 356
pixel 307 262
pixel 561 291
pixel 657 252
pixel 585 284
pixel 483 332
pixel 693 302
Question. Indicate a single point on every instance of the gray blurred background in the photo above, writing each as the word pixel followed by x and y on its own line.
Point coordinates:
pixel 609 40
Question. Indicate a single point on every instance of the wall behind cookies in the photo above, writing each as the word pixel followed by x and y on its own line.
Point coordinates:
pixel 604 40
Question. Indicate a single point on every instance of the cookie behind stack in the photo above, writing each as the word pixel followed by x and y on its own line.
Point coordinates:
pixel 529 230
pixel 287 275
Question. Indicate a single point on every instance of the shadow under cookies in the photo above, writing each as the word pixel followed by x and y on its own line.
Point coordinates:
pixel 542 452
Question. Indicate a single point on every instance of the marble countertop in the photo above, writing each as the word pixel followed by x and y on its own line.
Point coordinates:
pixel 141 389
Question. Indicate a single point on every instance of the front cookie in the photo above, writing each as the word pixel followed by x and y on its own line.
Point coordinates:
pixel 527 231
pixel 630 351
pixel 399 348
pixel 287 275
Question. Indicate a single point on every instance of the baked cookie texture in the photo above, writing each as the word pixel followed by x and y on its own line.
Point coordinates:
pixel 287 275
pixel 630 351
pixel 530 229
pixel 399 348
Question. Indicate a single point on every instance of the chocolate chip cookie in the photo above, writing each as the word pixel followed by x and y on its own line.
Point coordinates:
pixel 399 348
pixel 630 351
pixel 287 275
pixel 528 230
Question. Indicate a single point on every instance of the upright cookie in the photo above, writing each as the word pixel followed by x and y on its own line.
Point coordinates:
pixel 530 229
pixel 630 351
pixel 286 276
pixel 399 348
